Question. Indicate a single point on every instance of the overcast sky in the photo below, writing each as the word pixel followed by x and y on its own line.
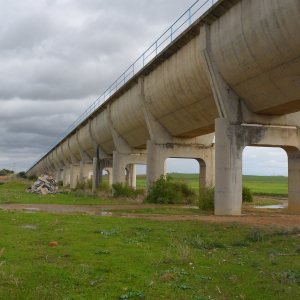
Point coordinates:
pixel 58 56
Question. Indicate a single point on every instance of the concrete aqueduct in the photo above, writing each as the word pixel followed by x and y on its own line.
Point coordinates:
pixel 235 73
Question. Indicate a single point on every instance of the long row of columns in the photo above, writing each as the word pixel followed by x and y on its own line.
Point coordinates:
pixel 236 128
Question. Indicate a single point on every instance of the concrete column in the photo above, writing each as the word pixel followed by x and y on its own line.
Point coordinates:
pixel 294 179
pixel 118 172
pixel 202 173
pixel 96 172
pixel 156 164
pixel 74 175
pixel 66 176
pixel 131 175
pixel 228 166
pixel 110 175
pixel 84 171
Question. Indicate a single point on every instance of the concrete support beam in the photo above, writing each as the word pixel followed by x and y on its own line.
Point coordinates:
pixel 228 188
pixel 293 179
pixel 131 175
pixel 157 155
pixel 74 175
pixel 66 175
pixel 120 161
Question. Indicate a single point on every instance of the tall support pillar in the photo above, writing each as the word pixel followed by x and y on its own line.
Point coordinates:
pixel 118 172
pixel 66 176
pixel 228 165
pixel 293 179
pixel 98 167
pixel 84 171
pixel 156 163
pixel 131 175
pixel 74 175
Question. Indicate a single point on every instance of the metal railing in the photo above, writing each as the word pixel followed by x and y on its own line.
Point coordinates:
pixel 191 15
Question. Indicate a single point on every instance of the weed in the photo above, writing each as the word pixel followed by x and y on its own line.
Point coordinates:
pixel 247 194
pixel 102 252
pixel 201 277
pixel 107 233
pixel 240 243
pixel 124 190
pixel 32 177
pixel 104 187
pixel 131 294
pixel 178 285
pixel 183 251
pixel 203 245
pixel 207 198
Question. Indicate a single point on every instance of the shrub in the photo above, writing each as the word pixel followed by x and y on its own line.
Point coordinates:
pixel 124 190
pixel 207 198
pixel 166 191
pixel 84 184
pixel 104 187
pixel 247 195
pixel 32 177
pixel 60 183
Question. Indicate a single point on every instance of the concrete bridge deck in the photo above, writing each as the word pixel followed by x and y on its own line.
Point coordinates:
pixel 235 73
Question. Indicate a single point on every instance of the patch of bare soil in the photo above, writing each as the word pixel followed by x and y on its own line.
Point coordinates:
pixel 250 216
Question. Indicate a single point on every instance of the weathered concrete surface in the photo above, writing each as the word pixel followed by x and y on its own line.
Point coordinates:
pixel 242 66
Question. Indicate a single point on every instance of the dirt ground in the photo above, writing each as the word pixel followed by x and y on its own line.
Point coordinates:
pixel 250 215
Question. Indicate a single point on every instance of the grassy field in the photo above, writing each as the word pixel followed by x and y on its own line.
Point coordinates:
pixel 113 258
pixel 105 258
pixel 262 185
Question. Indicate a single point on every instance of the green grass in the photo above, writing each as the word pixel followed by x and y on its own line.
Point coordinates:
pixel 261 185
pixel 113 258
pixel 14 192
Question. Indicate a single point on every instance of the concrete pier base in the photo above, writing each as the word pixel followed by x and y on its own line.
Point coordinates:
pixel 131 175
pixel 66 176
pixel 293 179
pixel 228 185
pixel 74 175
pixel 84 171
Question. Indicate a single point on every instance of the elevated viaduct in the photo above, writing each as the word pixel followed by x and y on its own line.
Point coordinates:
pixel 233 73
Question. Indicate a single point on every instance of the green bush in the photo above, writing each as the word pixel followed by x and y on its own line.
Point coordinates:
pixel 247 195
pixel 207 198
pixel 104 187
pixel 84 184
pixel 124 190
pixel 60 183
pixel 32 177
pixel 166 191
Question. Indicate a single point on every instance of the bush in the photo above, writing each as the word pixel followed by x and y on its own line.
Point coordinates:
pixel 124 190
pixel 207 198
pixel 32 177
pixel 84 184
pixel 60 183
pixel 104 187
pixel 165 191
pixel 247 195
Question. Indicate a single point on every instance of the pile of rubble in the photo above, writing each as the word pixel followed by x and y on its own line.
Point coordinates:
pixel 44 185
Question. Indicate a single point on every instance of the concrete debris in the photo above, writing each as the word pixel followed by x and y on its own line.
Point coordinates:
pixel 44 185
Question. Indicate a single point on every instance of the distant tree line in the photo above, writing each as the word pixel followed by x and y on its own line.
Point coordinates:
pixel 5 172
